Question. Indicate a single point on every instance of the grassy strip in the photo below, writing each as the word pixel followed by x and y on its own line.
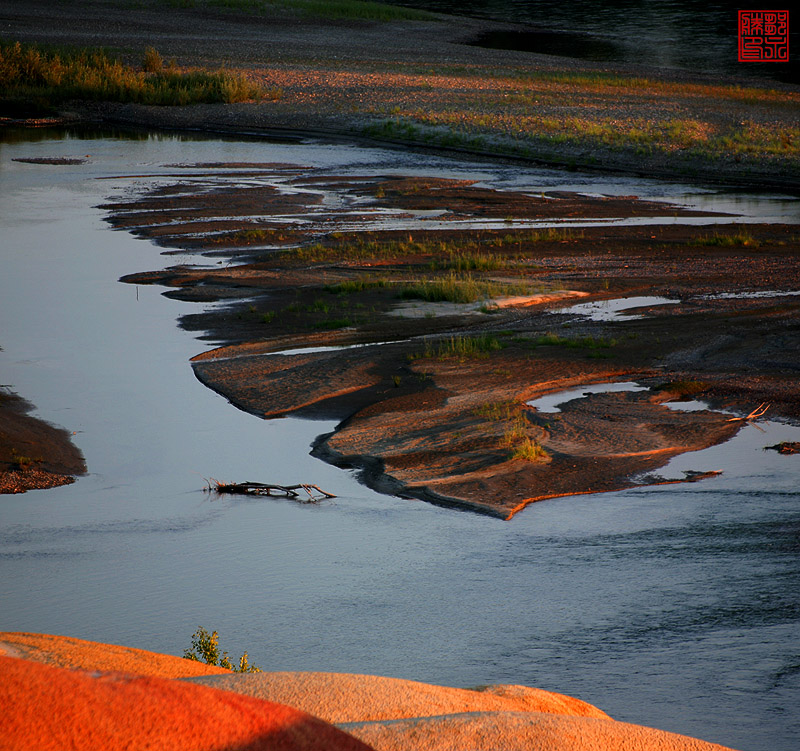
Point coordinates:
pixel 460 289
pixel 523 133
pixel 354 286
pixel 726 241
pixel 577 342
pixel 460 254
pixel 29 73
pixel 463 347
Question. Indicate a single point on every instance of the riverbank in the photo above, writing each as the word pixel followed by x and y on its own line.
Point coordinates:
pixel 421 82
pixel 251 709
pixel 33 454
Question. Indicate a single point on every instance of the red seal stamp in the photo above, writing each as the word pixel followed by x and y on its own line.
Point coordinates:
pixel 764 36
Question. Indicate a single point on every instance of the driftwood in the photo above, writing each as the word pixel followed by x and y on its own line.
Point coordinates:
pixel 314 492
pixel 759 411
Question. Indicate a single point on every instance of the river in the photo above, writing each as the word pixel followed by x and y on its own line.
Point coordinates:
pixel 694 35
pixel 676 607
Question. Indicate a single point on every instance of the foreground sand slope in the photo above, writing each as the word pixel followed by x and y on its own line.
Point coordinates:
pixel 397 715
pixel 346 697
pixel 52 708
pixel 105 708
pixel 66 652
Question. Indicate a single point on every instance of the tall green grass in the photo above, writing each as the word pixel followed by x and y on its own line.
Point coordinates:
pixel 457 288
pixel 744 239
pixel 463 347
pixel 29 72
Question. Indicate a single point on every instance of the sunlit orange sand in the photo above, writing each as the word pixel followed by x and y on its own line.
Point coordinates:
pixel 111 697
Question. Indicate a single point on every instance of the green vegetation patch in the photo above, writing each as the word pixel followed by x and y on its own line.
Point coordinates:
pixel 354 286
pixel 529 450
pixel 48 77
pixel 573 342
pixel 744 239
pixel 205 648
pixel 517 426
pixel 457 288
pixel 463 347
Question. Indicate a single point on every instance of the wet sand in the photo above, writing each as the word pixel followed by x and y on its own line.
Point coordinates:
pixel 33 454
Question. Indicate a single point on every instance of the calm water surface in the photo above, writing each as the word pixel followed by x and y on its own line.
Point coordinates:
pixel 696 35
pixel 675 607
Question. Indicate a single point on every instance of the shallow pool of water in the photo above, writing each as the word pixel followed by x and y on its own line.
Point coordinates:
pixel 673 606
pixel 552 402
pixel 616 309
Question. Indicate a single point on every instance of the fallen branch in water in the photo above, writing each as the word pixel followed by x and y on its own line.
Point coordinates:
pixel 759 411
pixel 314 492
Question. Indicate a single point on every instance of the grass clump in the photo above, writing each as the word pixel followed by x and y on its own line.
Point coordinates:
pixel 575 342
pixel 462 262
pixel 463 347
pixel 744 239
pixel 354 286
pixel 22 462
pixel 515 435
pixel 249 236
pixel 32 73
pixel 457 288
pixel 529 450
pixel 496 411
pixel 205 648
pixel 152 62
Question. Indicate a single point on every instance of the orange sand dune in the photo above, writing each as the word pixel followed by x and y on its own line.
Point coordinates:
pixel 52 709
pixel 346 697
pixel 66 652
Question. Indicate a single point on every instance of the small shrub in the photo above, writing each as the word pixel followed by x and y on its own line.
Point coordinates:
pixel 152 62
pixel 205 648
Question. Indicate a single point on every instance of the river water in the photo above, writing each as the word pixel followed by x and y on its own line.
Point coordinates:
pixel 696 35
pixel 674 606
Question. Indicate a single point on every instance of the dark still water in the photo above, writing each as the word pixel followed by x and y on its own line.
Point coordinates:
pixel 676 607
pixel 688 34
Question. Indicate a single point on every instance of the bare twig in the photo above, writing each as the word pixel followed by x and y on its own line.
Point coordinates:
pixel 759 411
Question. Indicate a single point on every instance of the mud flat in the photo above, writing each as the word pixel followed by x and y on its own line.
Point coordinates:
pixel 33 454
pixel 434 406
